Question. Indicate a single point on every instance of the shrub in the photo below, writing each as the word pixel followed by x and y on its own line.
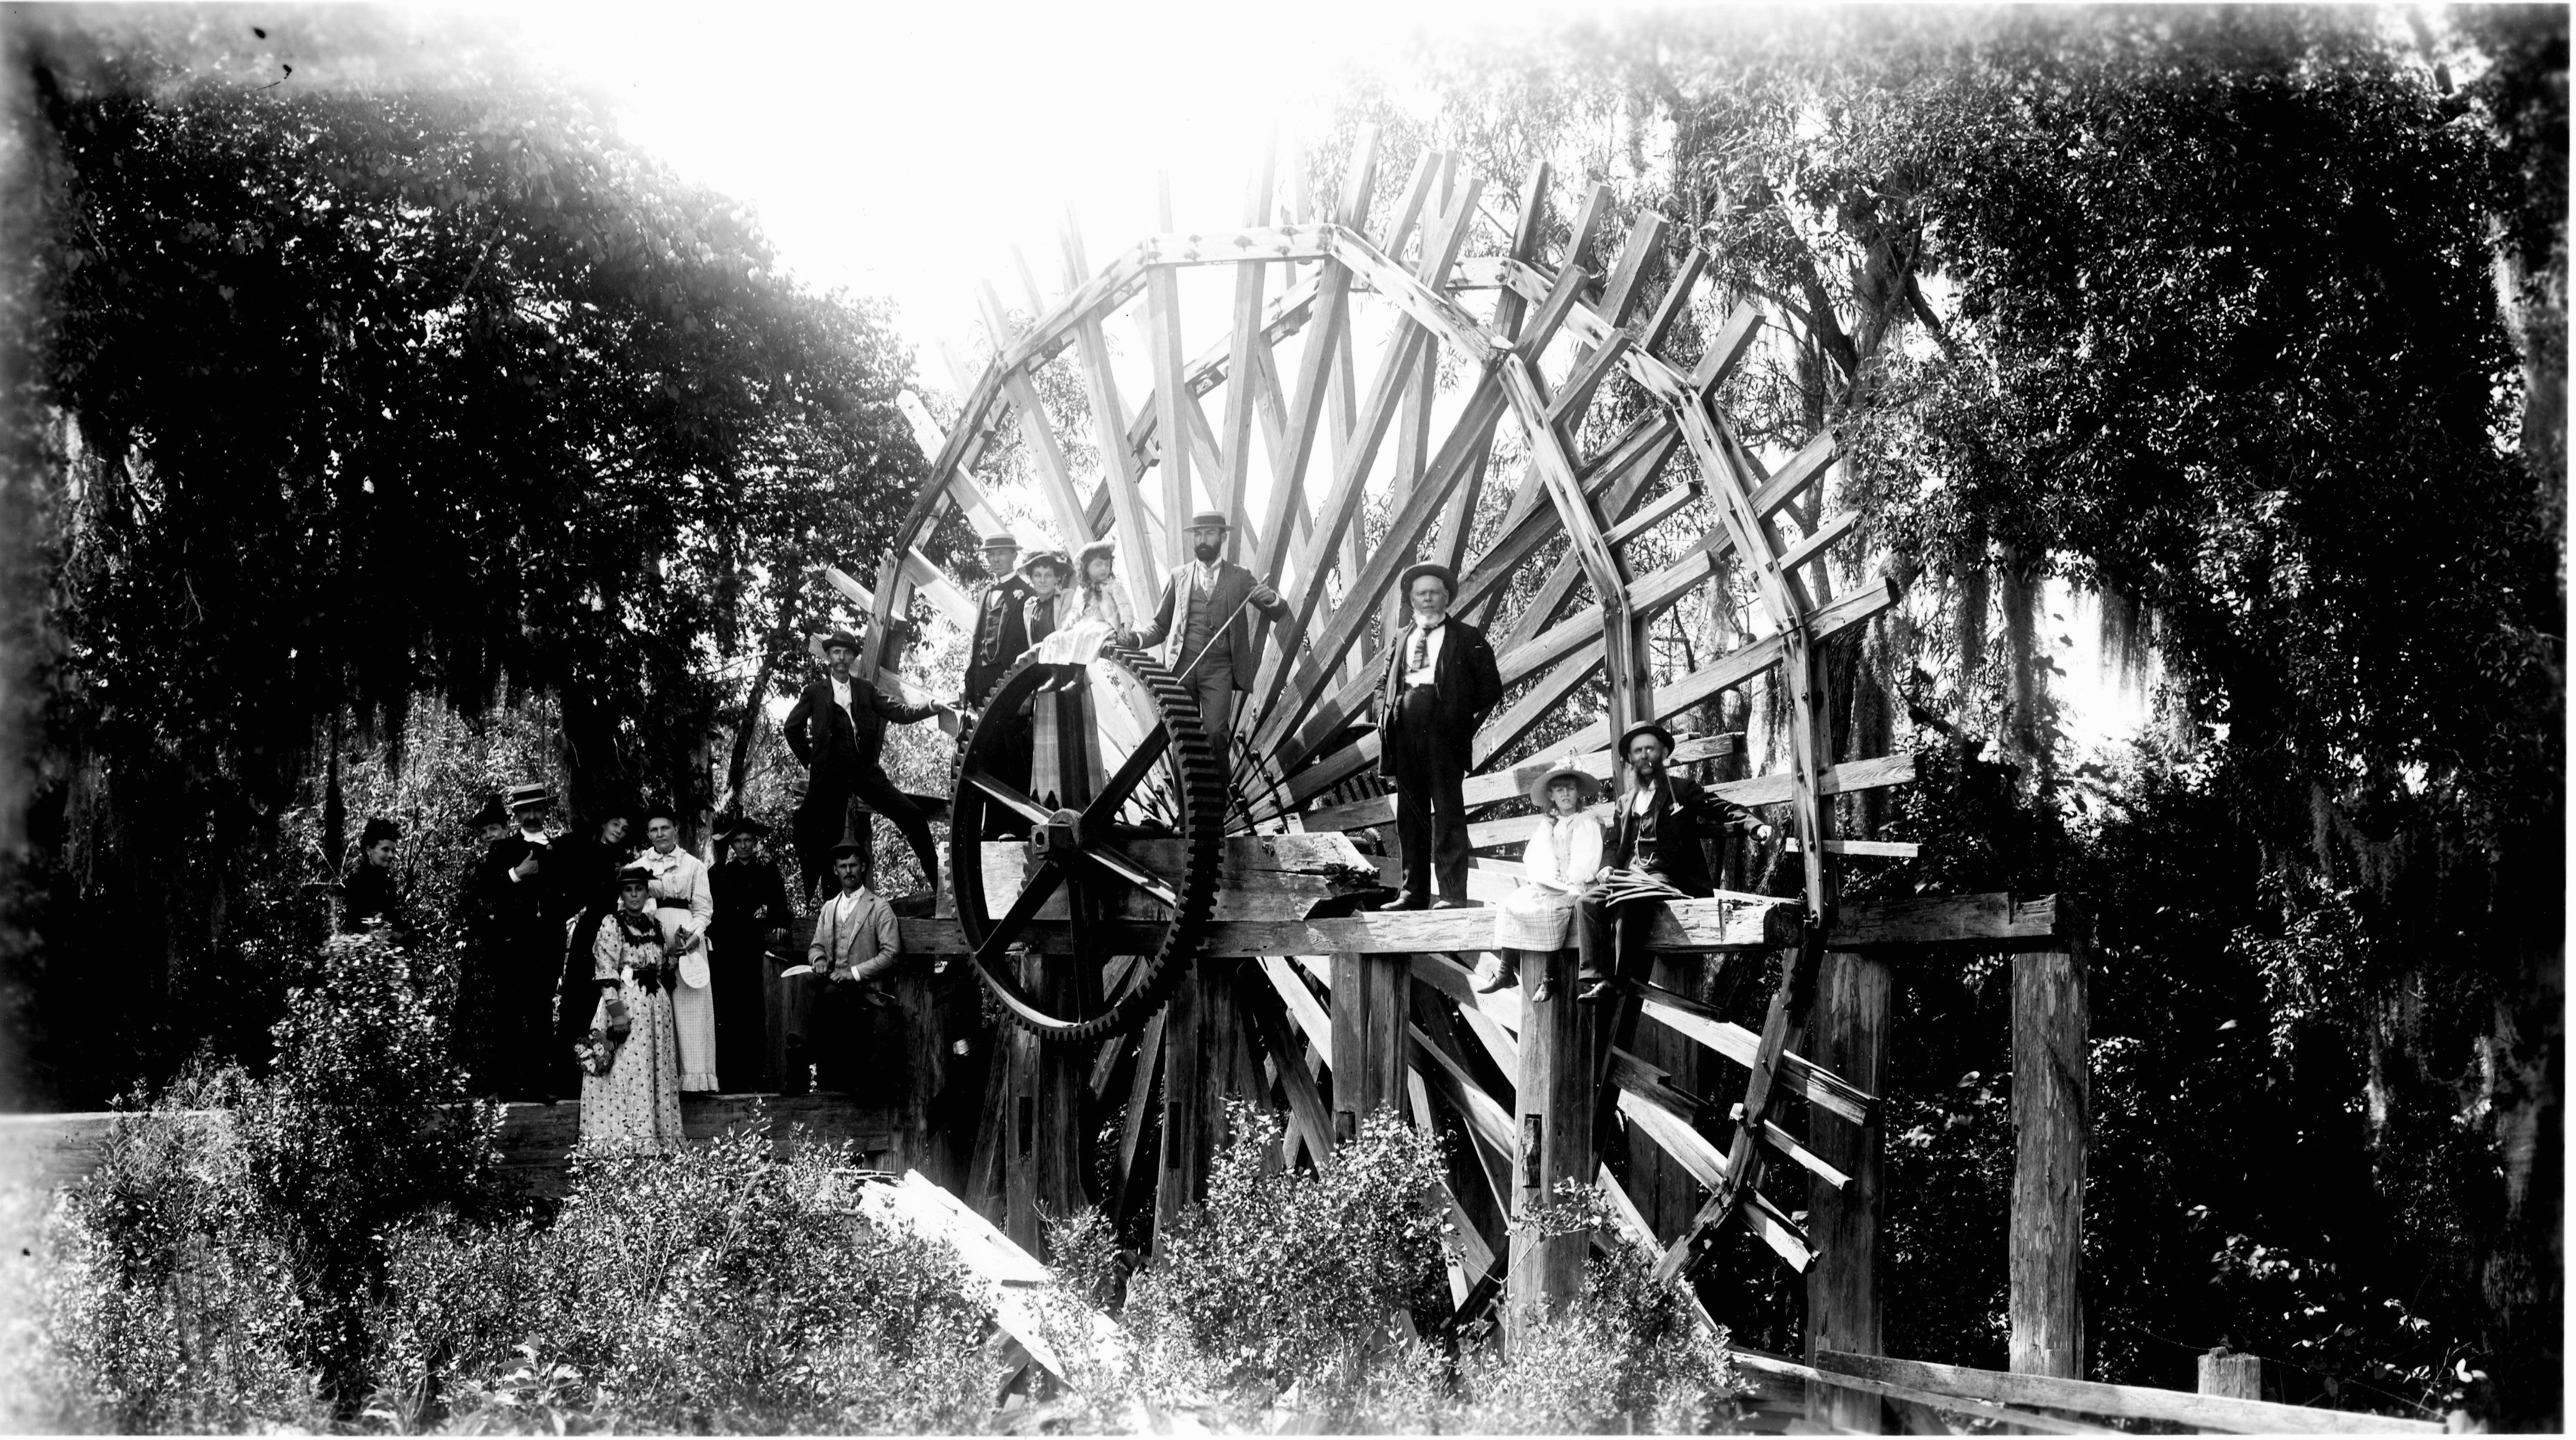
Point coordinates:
pixel 218 1264
pixel 711 1290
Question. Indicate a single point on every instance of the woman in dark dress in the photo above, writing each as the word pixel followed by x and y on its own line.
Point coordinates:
pixel 751 916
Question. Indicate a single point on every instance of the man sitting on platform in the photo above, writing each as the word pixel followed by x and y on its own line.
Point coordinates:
pixel 1206 601
pixel 1440 681
pixel 1654 852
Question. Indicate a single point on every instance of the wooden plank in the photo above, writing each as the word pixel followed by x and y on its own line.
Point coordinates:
pixel 1055 474
pixel 2036 1424
pixel 1162 321
pixel 1652 514
pixel 1848 1031
pixel 1553 1123
pixel 1743 1161
pixel 1234 446
pixel 1372 995
pixel 1808 1081
pixel 1486 1119
pixel 1769 789
pixel 1278 1036
pixel 1259 877
pixel 1140 1101
pixel 1302 1006
pixel 2119 1402
pixel 1137 559
pixel 1501 785
pixel 1954 919
pixel 2052 1109
pixel 1324 336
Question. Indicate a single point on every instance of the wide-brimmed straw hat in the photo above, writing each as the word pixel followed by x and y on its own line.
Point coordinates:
pixel 1587 786
pixel 1056 560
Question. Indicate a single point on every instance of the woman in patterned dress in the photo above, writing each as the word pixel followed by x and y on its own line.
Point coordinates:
pixel 630 1087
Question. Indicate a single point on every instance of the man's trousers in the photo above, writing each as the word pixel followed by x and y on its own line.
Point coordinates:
pixel 1612 938
pixel 1430 799
pixel 873 790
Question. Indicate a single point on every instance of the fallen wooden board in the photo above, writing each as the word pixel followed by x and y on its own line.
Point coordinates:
pixel 2119 1402
pixel 1762 1364
pixel 1018 1287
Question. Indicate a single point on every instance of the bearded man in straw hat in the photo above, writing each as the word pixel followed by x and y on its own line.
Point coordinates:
pixel 1208 603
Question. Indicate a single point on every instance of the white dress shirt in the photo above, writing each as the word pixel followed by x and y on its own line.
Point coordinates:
pixel 1423 646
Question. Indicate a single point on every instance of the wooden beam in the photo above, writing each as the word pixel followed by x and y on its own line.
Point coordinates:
pixel 1323 344
pixel 2120 1402
pixel 2031 1422
pixel 1817 1086
pixel 1552 1140
pixel 1848 1033
pixel 1235 445
pixel 2052 1112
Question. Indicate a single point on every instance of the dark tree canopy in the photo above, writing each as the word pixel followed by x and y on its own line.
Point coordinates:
pixel 352 385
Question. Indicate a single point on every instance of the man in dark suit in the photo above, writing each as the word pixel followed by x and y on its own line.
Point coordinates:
pixel 1000 631
pixel 1440 681
pixel 751 917
pixel 838 730
pixel 1208 603
pixel 1661 824
pixel 1001 634
pixel 505 1000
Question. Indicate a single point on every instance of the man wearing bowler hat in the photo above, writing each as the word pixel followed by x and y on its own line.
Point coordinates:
pixel 505 995
pixel 1440 681
pixel 1660 825
pixel 1208 603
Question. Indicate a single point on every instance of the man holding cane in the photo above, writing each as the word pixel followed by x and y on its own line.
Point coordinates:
pixel 1207 602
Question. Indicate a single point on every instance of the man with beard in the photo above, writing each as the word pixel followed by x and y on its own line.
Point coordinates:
pixel 505 997
pixel 1661 823
pixel 1440 681
pixel 1208 603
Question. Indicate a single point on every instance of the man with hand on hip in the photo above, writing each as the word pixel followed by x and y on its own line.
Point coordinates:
pixel 1440 681
pixel 1207 602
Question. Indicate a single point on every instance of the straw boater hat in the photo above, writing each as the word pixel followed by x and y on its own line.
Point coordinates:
pixel 1587 786
pixel 519 795
pixel 1208 520
pixel 1001 540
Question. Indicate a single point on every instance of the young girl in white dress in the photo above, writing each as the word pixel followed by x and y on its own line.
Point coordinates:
pixel 1560 859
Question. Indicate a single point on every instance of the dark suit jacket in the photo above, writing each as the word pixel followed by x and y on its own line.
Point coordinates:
pixel 509 911
pixel 1690 816
pixel 1465 683
pixel 1234 648
pixel 750 901
pixel 1000 636
pixel 839 746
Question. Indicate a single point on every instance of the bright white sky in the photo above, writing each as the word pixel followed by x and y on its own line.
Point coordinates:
pixel 902 150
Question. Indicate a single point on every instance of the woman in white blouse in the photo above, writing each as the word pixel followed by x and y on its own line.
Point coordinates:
pixel 1561 858
pixel 681 892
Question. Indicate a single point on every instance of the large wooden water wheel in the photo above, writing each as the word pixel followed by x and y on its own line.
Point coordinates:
pixel 1447 379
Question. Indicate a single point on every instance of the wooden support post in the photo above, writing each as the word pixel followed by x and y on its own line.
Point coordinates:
pixel 1552 1139
pixel 2240 1376
pixel 2052 1111
pixel 1181 1171
pixel 1371 996
pixel 1665 1190
pixel 1042 1159
pixel 1847 1034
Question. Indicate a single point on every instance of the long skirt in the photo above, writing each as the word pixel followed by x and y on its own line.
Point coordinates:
pixel 637 1103
pixel 1534 918
pixel 693 1009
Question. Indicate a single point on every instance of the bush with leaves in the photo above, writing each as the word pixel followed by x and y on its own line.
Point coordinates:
pixel 218 1263
pixel 714 1289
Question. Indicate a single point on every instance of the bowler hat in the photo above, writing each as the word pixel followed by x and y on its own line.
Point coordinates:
pixel 1644 727
pixel 841 640
pixel 1447 581
pixel 1587 786
pixel 1208 520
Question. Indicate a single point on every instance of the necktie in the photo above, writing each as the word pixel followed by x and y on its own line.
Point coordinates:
pixel 1421 649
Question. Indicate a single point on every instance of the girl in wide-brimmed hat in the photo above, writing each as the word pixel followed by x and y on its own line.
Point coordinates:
pixel 1561 858
pixel 1096 587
